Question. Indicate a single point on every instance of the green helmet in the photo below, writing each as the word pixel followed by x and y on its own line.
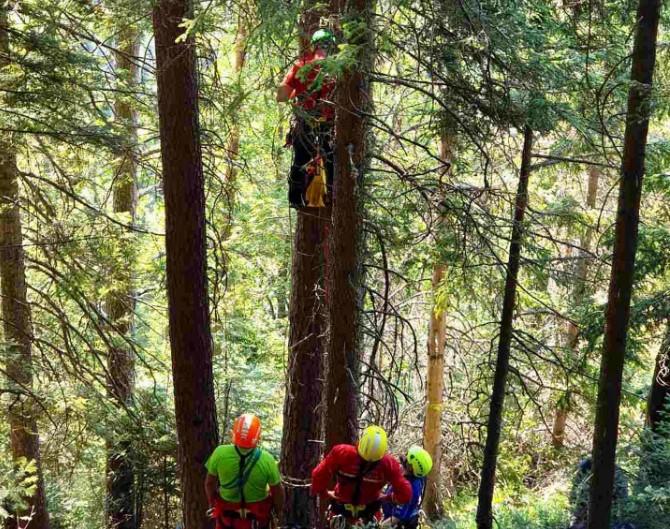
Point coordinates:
pixel 419 460
pixel 322 36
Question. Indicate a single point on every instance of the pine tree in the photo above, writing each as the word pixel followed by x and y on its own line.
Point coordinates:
pixel 494 425
pixel 120 301
pixel 16 320
pixel 623 265
pixel 183 183
pixel 344 274
pixel 432 426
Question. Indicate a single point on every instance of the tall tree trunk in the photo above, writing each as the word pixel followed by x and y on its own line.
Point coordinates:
pixel 183 182
pixel 301 449
pixel 488 476
pixel 303 424
pixel 432 426
pixel 16 322
pixel 344 274
pixel 659 394
pixel 579 292
pixel 121 512
pixel 623 264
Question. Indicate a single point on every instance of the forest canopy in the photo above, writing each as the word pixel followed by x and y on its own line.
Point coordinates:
pixel 446 219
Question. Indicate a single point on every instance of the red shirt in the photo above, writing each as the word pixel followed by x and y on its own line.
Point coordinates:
pixel 343 463
pixel 314 97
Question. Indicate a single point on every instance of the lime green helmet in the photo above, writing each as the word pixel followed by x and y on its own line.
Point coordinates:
pixel 322 36
pixel 420 461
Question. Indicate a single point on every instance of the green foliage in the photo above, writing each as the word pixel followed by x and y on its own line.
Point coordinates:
pixel 649 504
pixel 473 73
pixel 530 510
pixel 18 481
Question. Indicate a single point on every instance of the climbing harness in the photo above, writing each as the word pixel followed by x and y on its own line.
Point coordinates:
pixel 242 477
pixel 354 509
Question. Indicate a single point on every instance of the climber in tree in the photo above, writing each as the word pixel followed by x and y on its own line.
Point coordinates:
pixel 310 90
pixel 243 482
pixel 360 473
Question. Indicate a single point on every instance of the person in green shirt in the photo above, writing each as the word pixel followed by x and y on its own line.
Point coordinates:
pixel 243 484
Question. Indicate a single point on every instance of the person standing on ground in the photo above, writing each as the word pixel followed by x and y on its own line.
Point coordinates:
pixel 417 464
pixel 243 484
pixel 360 473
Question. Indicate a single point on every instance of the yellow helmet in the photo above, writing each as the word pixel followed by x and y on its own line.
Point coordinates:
pixel 373 443
pixel 420 461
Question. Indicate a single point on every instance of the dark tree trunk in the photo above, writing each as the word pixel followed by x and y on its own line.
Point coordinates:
pixel 121 513
pixel 304 392
pixel 183 182
pixel 18 335
pixel 623 264
pixel 488 476
pixel 303 413
pixel 344 274
pixel 16 322
pixel 659 394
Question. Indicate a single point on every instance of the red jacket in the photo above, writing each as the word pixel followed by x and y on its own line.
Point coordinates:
pixel 306 83
pixel 343 463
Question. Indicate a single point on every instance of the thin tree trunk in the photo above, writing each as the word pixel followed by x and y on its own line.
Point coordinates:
pixel 183 182
pixel 488 476
pixel 623 264
pixel 579 292
pixel 344 274
pixel 233 147
pixel 432 426
pixel 16 321
pixel 659 394
pixel 121 513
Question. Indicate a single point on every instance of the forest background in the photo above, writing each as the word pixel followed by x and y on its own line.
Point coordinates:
pixel 462 101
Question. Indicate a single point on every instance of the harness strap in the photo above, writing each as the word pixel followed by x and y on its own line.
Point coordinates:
pixel 244 471
pixel 364 468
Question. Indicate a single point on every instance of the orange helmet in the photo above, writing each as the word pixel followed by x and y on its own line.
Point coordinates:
pixel 246 431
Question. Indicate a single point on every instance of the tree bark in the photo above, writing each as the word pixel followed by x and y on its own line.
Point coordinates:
pixel 659 394
pixel 303 410
pixel 302 406
pixel 623 263
pixel 344 274
pixel 432 426
pixel 121 512
pixel 579 292
pixel 488 476
pixel 183 182
pixel 16 322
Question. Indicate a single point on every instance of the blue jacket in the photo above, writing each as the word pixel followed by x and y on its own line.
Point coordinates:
pixel 409 511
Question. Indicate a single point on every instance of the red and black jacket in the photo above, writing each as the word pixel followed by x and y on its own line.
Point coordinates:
pixel 357 481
